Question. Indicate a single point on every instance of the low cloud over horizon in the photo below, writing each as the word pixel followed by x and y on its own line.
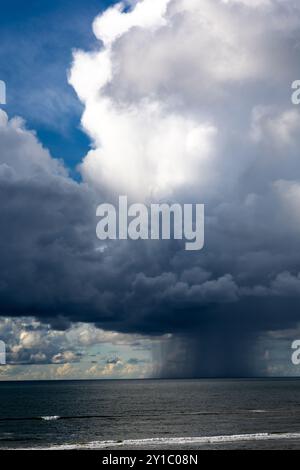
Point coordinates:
pixel 186 101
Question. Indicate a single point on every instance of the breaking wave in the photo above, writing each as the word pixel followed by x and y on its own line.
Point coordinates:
pixel 156 443
pixel 50 418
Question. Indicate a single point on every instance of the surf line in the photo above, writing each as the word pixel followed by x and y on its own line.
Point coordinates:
pixel 156 442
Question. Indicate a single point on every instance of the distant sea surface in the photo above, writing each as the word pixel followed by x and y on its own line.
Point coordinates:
pixel 151 414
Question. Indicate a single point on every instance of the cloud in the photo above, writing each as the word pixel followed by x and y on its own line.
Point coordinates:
pixel 64 371
pixel 163 148
pixel 120 369
pixel 113 23
pixel 29 341
pixel 156 96
pixel 196 104
pixel 191 103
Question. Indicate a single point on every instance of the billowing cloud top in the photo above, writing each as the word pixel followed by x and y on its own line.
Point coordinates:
pixel 173 81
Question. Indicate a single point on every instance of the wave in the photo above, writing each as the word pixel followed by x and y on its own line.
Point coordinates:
pixel 55 418
pixel 156 443
pixel 261 411
pixel 145 415
pixel 50 418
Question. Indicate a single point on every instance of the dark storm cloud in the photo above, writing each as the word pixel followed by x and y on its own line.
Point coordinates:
pixel 215 300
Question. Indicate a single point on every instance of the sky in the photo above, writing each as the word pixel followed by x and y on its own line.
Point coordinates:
pixel 186 101
pixel 37 40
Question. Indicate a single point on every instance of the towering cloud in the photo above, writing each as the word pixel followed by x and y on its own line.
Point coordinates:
pixel 185 100
pixel 175 85
pixel 190 99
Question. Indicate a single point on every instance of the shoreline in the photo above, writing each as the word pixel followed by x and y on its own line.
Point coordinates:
pixel 242 441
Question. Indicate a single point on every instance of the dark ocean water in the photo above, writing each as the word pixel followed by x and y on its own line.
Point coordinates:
pixel 178 414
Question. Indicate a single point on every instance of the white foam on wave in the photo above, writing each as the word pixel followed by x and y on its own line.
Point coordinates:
pixel 259 411
pixel 156 443
pixel 50 418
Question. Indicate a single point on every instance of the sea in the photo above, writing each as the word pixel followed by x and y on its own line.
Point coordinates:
pixel 151 414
